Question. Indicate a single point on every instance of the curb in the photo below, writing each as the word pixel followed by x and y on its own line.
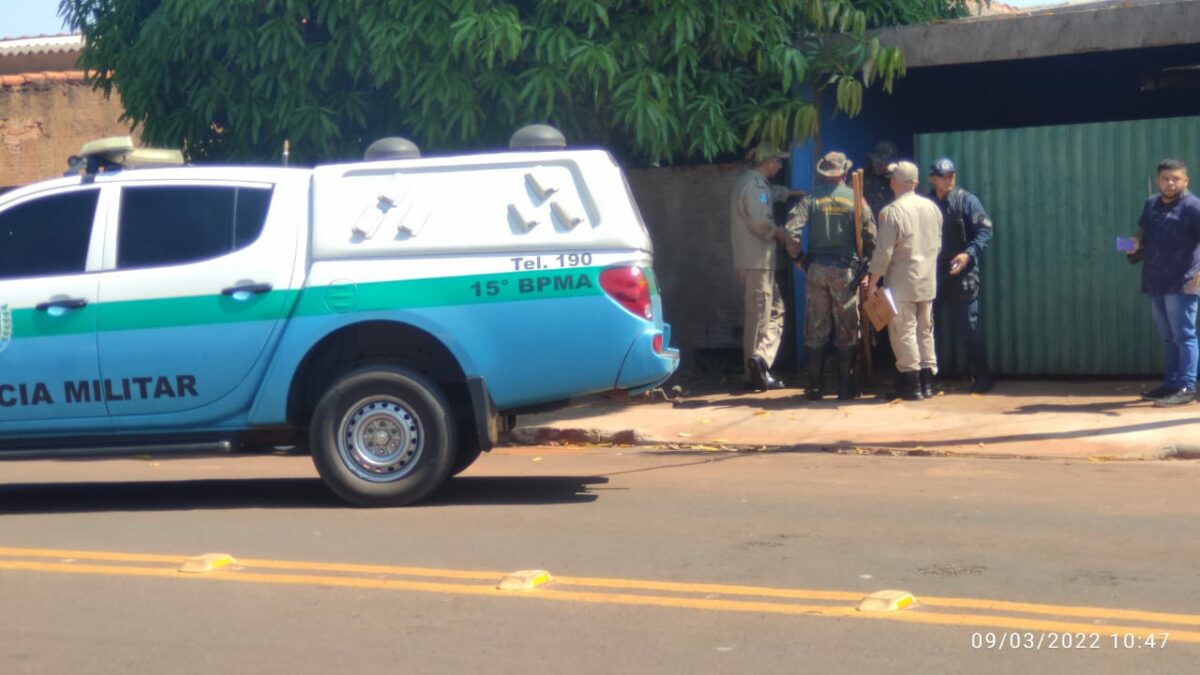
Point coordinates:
pixel 1184 451
pixel 576 436
pixel 632 437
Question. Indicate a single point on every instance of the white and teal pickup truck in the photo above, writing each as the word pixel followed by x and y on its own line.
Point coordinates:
pixel 390 316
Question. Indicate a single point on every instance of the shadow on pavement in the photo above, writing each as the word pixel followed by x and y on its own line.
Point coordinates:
pixel 275 493
pixel 1105 407
pixel 183 495
pixel 516 490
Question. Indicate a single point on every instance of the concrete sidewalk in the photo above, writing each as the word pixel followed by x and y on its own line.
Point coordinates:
pixel 1101 420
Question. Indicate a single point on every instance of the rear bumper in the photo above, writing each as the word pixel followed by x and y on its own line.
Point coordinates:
pixel 644 368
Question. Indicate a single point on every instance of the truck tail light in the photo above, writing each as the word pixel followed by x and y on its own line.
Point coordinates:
pixel 658 343
pixel 630 287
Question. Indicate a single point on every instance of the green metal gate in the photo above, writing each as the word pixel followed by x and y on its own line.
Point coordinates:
pixel 1057 298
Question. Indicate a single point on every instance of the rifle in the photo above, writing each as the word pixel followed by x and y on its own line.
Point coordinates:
pixel 865 326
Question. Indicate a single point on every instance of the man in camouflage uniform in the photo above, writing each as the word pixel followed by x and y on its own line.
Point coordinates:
pixel 830 266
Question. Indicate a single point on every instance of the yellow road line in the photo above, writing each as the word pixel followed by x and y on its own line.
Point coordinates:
pixel 720 589
pixel 252 562
pixel 550 593
pixel 634 584
pixel 1061 610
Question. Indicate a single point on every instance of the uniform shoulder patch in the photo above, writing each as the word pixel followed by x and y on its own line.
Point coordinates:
pixel 5 327
pixel 762 197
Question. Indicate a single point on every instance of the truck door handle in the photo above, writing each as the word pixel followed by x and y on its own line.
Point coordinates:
pixel 247 289
pixel 65 303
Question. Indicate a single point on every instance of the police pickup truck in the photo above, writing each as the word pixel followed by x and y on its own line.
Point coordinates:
pixel 391 316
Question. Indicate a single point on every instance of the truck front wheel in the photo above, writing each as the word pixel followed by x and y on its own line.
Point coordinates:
pixel 383 436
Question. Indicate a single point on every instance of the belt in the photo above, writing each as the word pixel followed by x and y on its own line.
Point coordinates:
pixel 830 260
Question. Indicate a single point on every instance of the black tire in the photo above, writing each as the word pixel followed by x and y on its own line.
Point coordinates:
pixel 467 454
pixel 383 435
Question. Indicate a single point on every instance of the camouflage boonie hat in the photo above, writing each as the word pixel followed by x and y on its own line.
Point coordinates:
pixel 833 165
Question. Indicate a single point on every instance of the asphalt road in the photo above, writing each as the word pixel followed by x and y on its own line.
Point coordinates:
pixel 665 562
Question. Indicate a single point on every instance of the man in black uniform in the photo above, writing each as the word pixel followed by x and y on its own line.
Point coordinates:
pixel 966 232
pixel 877 184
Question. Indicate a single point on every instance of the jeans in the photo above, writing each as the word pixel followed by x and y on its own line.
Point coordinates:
pixel 1175 318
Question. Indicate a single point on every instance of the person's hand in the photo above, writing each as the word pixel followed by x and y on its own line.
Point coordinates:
pixel 1193 285
pixel 796 193
pixel 959 263
pixel 793 247
pixel 1137 246
pixel 865 283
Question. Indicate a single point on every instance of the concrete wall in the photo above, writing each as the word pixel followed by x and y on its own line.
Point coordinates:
pixel 42 122
pixel 687 212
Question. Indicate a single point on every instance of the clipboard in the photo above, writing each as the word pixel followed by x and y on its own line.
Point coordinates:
pixel 880 309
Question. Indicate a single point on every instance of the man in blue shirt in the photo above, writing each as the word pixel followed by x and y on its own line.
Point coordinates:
pixel 1168 243
pixel 966 232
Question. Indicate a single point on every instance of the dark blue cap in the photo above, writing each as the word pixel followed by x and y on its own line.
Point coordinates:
pixel 942 167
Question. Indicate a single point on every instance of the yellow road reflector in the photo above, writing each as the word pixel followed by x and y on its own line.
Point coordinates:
pixel 886 601
pixel 525 580
pixel 209 562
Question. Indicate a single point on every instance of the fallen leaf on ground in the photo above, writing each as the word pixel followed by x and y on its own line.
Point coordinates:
pixel 762 413
pixel 684 434
pixel 705 421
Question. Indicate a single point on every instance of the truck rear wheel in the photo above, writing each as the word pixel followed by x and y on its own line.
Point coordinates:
pixel 383 436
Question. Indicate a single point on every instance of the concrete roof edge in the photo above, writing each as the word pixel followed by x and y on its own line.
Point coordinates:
pixel 1111 25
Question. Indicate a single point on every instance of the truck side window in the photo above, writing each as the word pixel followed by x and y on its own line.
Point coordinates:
pixel 48 235
pixel 174 225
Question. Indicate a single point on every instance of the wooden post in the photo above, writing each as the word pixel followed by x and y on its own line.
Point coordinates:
pixel 866 338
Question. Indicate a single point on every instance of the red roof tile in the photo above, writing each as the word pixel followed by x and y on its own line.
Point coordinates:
pixel 32 78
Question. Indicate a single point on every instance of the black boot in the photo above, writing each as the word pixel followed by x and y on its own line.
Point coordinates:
pixel 926 380
pixel 760 376
pixel 847 387
pixel 983 378
pixel 908 388
pixel 815 364
pixel 977 353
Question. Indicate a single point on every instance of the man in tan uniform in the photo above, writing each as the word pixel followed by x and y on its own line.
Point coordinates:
pixel 754 234
pixel 906 251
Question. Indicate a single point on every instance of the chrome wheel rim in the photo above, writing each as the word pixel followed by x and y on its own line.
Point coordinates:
pixel 381 439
